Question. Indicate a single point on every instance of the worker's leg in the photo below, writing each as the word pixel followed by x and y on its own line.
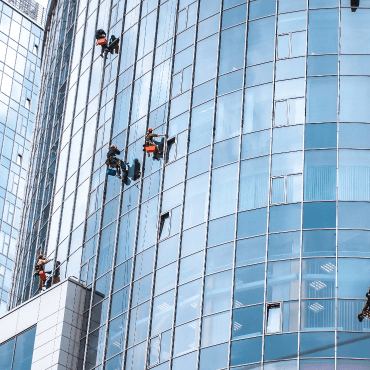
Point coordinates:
pixel 41 284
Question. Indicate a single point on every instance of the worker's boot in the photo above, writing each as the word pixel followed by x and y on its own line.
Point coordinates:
pixel 360 317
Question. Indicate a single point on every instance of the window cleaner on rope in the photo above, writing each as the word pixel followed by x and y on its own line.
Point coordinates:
pixel 101 39
pixel 115 165
pixel 150 146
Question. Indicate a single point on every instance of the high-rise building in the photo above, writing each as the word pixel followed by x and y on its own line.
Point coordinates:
pixel 246 245
pixel 21 33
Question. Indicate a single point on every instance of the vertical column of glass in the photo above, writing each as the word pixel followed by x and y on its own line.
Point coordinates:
pixel 353 199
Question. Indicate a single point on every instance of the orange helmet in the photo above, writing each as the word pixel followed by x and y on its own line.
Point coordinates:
pixel 41 256
pixel 113 146
pixel 150 129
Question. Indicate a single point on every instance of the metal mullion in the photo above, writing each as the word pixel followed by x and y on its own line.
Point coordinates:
pixel 87 337
pixel 185 169
pixel 164 159
pixel 48 161
pixel 129 309
pixel 269 194
pixel 209 183
pixel 337 196
pixel 302 194
pixel 51 138
pixel 119 210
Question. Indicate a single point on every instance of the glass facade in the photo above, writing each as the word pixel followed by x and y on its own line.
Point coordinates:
pixel 16 354
pixel 20 59
pixel 247 245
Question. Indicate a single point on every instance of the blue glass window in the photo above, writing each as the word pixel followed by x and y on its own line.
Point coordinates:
pixel 247 322
pixel 254 183
pixel 353 215
pixel 282 346
pixel 282 280
pixel 261 37
pixel 221 230
pixel 318 243
pixel 249 285
pixel 285 217
pixel 354 243
pixel 214 357
pixel 246 351
pixel 252 223
pixel 250 250
pixel 323 31
pixel 319 215
pixel 284 245
pixel 219 258
pixel 323 135
pixel 320 175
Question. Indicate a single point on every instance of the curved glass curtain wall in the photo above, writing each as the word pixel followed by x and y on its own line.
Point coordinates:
pixel 20 60
pixel 46 136
pixel 247 247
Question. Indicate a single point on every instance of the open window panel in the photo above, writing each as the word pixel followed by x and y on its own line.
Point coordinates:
pixel 27 103
pixel 176 147
pixel 286 189
pixel 35 49
pixel 19 159
pixel 354 5
pixel 164 230
pixel 160 347
pixel 274 317
pixel 170 223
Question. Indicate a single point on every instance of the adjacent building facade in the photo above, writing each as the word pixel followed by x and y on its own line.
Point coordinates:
pixel 246 246
pixel 21 33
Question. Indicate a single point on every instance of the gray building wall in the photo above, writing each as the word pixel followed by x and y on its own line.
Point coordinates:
pixel 56 316
pixel 20 61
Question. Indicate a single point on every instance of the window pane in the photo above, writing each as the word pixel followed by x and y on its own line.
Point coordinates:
pixel 116 336
pixel 317 344
pixel 283 280
pixel 195 201
pixel 223 191
pixel 6 352
pixel 255 145
pixel 138 326
pixel 354 175
pixel 193 240
pixel 352 282
pixel 354 243
pixel 285 217
pixel 281 346
pixel 353 215
pixel 353 344
pixel 188 301
pixel 286 139
pixel 191 267
pixel 317 315
pixel 228 110
pixel 319 215
pixel 284 245
pixel 318 243
pixel 286 163
pixel 165 278
pixel 254 183
pixel 321 135
pixel 247 322
pixel 201 126
pixel 320 175
pixel 186 337
pixel 214 357
pixel 141 290
pixel 219 258
pixel 318 278
pixel 261 35
pixel 205 60
pixel 162 313
pixel 167 251
pixel 232 48
pixel 252 223
pixel 225 152
pixel 250 250
pixel 217 292
pixel 216 329
pixel 257 108
pixel 323 31
pixel 354 35
pixel 246 351
pixel 198 162
pixel 249 285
